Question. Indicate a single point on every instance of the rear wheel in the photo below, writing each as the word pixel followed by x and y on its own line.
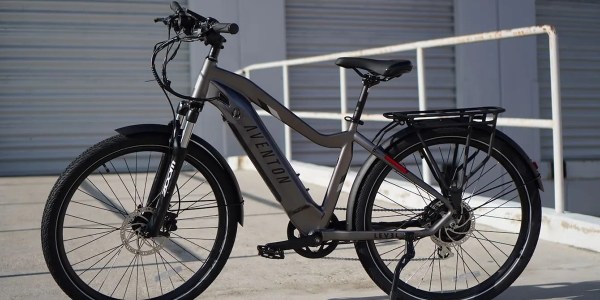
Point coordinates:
pixel 493 234
pixel 93 222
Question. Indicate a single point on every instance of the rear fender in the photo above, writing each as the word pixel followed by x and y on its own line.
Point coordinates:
pixel 209 150
pixel 402 134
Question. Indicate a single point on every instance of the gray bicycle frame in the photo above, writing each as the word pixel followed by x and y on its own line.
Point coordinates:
pixel 233 94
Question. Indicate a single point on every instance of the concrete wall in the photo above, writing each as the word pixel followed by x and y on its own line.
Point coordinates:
pixel 502 73
pixel 505 73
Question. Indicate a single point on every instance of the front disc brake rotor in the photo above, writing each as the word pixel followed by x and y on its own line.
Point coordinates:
pixel 131 233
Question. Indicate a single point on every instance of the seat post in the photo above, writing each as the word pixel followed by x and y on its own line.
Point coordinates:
pixel 368 82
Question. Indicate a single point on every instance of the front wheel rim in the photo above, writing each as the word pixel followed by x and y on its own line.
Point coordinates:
pixel 172 275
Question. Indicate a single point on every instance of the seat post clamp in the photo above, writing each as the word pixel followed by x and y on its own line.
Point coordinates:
pixel 352 120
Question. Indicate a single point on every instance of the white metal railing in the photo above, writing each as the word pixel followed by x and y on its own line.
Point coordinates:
pixel 554 123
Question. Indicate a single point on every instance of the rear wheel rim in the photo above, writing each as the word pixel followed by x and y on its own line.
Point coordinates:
pixel 472 264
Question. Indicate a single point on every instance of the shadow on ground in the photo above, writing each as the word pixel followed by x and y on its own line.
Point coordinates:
pixel 588 290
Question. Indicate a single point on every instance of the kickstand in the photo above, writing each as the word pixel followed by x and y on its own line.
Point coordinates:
pixel 410 254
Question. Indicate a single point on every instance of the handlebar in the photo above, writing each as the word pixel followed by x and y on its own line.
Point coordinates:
pixel 230 28
pixel 189 20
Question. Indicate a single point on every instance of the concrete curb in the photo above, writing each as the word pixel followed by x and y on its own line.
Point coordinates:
pixel 577 230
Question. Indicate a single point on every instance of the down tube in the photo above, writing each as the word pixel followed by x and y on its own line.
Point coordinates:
pixel 268 159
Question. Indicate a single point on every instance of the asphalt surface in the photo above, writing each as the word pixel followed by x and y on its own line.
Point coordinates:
pixel 555 271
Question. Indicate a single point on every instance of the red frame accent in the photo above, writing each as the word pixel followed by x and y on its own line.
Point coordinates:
pixel 394 163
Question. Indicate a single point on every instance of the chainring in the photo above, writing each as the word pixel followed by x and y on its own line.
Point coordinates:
pixel 312 252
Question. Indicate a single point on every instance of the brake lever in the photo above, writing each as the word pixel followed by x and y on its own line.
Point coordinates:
pixel 171 21
pixel 166 20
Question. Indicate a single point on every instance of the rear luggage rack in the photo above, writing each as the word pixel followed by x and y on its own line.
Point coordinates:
pixel 468 118
pixel 486 115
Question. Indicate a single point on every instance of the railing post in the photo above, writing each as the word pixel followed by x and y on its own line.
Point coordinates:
pixel 286 102
pixel 422 102
pixel 343 98
pixel 421 79
pixel 557 142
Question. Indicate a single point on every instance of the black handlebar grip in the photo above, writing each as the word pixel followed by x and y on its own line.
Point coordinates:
pixel 230 28
pixel 176 7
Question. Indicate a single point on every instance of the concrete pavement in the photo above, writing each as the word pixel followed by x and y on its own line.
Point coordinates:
pixel 555 272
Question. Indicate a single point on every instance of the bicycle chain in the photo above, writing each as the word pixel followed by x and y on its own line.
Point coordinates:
pixel 384 209
pixel 385 259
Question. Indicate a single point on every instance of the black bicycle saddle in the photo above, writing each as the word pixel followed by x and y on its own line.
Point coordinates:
pixel 385 68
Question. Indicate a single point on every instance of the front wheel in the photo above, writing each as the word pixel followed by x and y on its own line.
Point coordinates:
pixel 494 232
pixel 91 228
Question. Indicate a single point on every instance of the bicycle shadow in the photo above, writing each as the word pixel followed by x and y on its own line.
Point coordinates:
pixel 587 290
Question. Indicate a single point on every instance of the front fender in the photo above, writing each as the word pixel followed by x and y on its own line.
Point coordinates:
pixel 205 146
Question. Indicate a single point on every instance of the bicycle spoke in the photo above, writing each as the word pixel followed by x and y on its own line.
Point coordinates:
pixel 108 252
pixel 494 243
pixel 393 211
pixel 194 189
pixel 418 187
pixel 94 222
pixel 109 203
pixel 492 210
pixel 179 261
pixel 196 218
pixel 97 207
pixel 462 257
pixel 186 182
pixel 495 217
pixel 187 251
pixel 456 272
pixel 111 189
pixel 90 242
pixel 88 235
pixel 165 264
pixel 419 268
pixel 158 274
pixel 198 200
pixel 124 273
pixel 488 252
pixel 496 231
pixel 475 261
pixel 145 277
pixel 134 181
pixel 123 182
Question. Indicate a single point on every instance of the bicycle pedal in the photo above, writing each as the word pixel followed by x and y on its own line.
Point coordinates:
pixel 270 253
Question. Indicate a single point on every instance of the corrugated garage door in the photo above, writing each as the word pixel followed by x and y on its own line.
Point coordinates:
pixel 322 27
pixel 71 72
pixel 578 27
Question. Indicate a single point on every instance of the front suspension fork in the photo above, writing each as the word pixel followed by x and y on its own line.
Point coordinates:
pixel 170 165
